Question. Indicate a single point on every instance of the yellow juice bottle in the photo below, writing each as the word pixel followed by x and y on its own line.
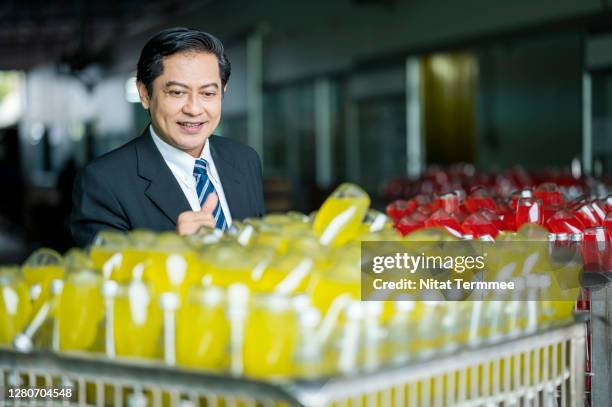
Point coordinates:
pixel 137 321
pixel 42 267
pixel 80 310
pixel 272 238
pixel 343 276
pixel 227 263
pixel 15 306
pixel 174 272
pixel 565 281
pixel 295 230
pixel 271 336
pixel 171 266
pixel 277 230
pixel 288 274
pixel 203 330
pixel 375 222
pixel 327 287
pixel 383 235
pixel 137 250
pixel 308 244
pixel 532 241
pixel 401 332
pixel 429 234
pixel 99 255
pixel 340 217
pixel 429 334
pixel 77 258
pixel 131 257
pixel 558 304
pixel 105 244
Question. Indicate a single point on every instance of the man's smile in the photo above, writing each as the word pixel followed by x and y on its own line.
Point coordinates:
pixel 191 127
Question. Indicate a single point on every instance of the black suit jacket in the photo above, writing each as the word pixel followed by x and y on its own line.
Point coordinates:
pixel 132 187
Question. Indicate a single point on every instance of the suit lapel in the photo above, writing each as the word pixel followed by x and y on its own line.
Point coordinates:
pixel 230 176
pixel 163 188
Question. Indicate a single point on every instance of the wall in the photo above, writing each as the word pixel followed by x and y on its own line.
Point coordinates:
pixel 57 108
pixel 310 38
pixel 529 102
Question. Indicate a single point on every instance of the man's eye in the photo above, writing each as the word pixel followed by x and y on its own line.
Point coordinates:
pixel 209 94
pixel 176 93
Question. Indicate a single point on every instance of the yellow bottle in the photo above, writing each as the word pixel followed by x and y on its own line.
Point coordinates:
pixel 308 244
pixel 289 274
pixel 136 251
pixel 340 217
pixel 429 234
pixel 76 258
pixel 227 263
pixel 105 244
pixel 137 321
pixel 171 265
pixel 272 238
pixel 203 330
pixel 15 307
pixel 375 222
pixel 42 267
pixel 327 286
pixel 80 310
pixel 271 337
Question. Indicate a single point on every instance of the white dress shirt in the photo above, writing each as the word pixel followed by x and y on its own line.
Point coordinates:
pixel 181 165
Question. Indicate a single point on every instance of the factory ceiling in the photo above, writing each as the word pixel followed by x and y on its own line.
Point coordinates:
pixel 72 33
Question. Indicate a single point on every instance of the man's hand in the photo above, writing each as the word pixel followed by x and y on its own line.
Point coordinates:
pixel 190 222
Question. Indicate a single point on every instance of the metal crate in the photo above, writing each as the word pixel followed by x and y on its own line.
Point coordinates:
pixel 544 369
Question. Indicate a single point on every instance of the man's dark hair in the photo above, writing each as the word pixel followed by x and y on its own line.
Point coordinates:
pixel 174 40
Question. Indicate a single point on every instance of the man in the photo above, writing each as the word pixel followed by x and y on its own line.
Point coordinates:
pixel 176 175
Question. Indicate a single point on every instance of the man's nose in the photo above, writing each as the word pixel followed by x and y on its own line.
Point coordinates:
pixel 193 106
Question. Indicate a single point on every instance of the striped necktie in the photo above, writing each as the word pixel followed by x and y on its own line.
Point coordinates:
pixel 205 187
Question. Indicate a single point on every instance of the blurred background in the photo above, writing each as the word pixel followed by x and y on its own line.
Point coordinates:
pixel 350 90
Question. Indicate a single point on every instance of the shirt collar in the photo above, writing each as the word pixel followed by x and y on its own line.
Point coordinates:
pixel 180 159
pixel 206 153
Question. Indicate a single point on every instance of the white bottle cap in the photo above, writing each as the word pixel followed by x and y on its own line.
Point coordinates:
pixel 169 301
pixel 110 288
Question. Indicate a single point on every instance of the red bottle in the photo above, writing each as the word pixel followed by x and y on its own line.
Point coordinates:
pixel 479 199
pixel 409 224
pixel 598 210
pixel 549 193
pixel 397 209
pixel 525 193
pixel 529 210
pixel 419 201
pixel 597 249
pixel 506 216
pixel 441 218
pixel 477 225
pixel 608 221
pixel 584 211
pixel 564 221
pixel 584 300
pixel 577 202
pixel 448 201
pixel 492 217
pixel 548 211
pixel 419 217
pixel 508 219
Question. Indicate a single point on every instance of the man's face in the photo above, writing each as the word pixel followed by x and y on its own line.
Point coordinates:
pixel 185 106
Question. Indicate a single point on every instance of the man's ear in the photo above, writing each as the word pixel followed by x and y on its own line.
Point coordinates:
pixel 224 89
pixel 144 95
